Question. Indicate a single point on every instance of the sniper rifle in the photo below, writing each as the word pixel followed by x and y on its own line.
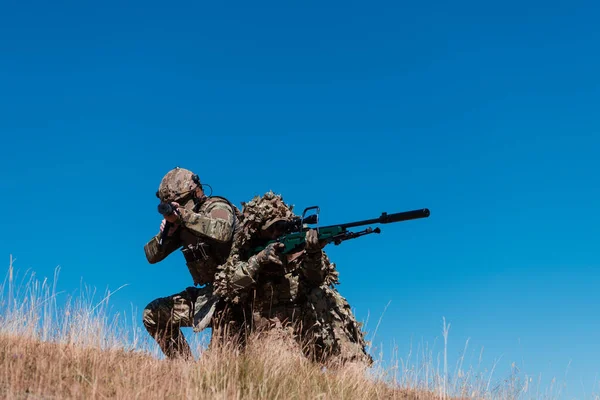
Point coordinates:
pixel 294 232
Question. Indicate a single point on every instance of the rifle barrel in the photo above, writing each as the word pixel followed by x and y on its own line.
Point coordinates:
pixel 389 218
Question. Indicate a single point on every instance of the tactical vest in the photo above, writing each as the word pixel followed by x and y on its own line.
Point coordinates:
pixel 202 254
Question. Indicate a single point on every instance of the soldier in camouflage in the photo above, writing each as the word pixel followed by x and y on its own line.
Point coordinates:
pixel 293 294
pixel 204 228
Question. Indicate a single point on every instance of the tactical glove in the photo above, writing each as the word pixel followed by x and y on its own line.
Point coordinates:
pixel 312 242
pixel 270 254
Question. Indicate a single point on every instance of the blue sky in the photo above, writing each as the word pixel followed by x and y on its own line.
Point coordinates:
pixel 487 114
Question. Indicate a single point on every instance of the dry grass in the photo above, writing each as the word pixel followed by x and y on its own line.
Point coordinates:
pixel 76 348
pixel 48 370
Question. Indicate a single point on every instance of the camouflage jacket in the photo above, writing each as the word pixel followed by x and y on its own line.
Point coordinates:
pixel 273 284
pixel 300 295
pixel 205 236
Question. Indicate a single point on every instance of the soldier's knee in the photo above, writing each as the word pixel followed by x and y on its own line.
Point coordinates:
pixel 148 320
pixel 150 316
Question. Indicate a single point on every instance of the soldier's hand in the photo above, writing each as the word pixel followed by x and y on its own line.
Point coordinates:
pixel 312 241
pixel 270 254
pixel 172 229
pixel 174 217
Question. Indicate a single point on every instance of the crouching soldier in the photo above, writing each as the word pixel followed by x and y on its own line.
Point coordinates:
pixel 204 229
pixel 292 295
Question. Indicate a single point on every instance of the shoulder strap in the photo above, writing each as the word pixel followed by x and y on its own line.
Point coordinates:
pixel 223 199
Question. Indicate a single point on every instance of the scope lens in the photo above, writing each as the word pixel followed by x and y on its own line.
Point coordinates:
pixel 165 209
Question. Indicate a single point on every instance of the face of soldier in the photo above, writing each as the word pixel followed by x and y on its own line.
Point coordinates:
pixel 272 232
pixel 199 193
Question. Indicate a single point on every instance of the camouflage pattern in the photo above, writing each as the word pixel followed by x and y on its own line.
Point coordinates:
pixel 207 228
pixel 297 298
pixel 258 214
pixel 335 328
pixel 205 236
pixel 163 318
pixel 216 221
pixel 176 185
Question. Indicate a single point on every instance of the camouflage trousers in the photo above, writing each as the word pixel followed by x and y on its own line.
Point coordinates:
pixel 325 326
pixel 164 317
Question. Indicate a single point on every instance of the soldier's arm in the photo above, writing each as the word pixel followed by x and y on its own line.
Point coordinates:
pixel 314 263
pixel 236 277
pixel 217 223
pixel 315 267
pixel 155 252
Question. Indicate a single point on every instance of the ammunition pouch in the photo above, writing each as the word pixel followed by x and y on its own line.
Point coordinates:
pixel 200 262
pixel 194 253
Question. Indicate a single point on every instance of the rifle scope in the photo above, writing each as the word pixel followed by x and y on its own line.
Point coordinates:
pixel 165 209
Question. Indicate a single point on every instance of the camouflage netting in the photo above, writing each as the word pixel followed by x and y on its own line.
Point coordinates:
pixel 331 323
pixel 321 318
pixel 258 212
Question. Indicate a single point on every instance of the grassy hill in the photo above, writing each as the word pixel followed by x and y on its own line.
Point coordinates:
pixel 36 369
pixel 76 348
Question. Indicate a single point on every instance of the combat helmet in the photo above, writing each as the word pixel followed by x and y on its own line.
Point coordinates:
pixel 177 185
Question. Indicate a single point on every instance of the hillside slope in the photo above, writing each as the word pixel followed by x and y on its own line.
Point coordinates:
pixel 35 369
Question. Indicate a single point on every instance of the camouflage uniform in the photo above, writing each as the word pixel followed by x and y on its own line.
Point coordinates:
pixel 205 235
pixel 297 298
